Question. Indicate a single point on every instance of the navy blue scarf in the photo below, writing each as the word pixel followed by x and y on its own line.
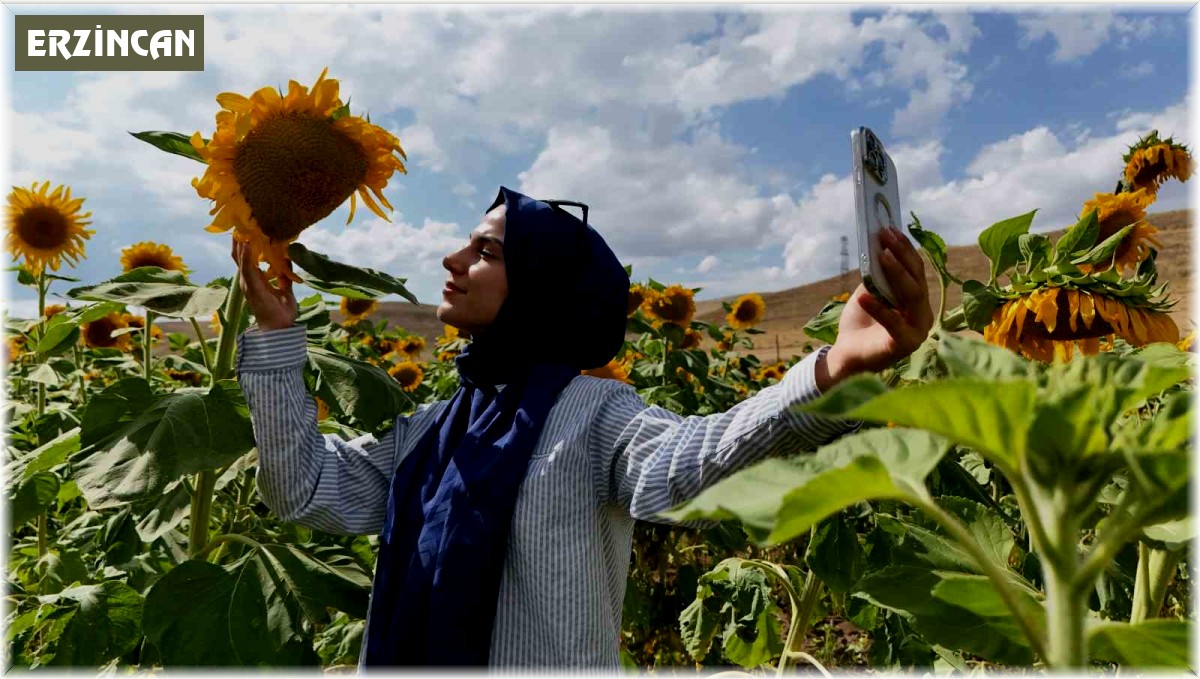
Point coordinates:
pixel 449 513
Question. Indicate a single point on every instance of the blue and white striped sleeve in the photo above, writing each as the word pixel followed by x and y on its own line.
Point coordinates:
pixel 648 459
pixel 304 476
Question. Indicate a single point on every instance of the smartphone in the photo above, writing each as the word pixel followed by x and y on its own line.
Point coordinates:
pixel 876 206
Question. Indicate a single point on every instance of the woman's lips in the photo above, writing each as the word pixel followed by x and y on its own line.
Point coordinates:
pixel 451 288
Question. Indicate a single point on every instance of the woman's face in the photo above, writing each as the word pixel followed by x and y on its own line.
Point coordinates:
pixel 477 283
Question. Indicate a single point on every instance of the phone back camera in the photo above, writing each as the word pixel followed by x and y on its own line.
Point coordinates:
pixel 873 158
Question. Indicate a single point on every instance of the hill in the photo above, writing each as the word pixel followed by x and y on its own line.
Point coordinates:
pixel 788 310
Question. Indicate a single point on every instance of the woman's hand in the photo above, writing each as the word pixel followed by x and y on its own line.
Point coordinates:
pixel 872 336
pixel 274 307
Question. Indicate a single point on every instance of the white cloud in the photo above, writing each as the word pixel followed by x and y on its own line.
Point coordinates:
pixel 400 248
pixel 708 263
pixel 1080 33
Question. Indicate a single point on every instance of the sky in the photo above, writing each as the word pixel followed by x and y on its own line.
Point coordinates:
pixel 712 146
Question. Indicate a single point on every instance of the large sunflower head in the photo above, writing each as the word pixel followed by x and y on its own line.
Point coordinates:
pixel 746 312
pixel 279 163
pixel 673 305
pixel 1048 324
pixel 98 333
pixel 148 253
pixel 1152 161
pixel 614 370
pixel 1115 211
pixel 355 309
pixel 46 228
pixel 408 374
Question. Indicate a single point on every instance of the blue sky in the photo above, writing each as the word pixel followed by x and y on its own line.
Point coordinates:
pixel 713 147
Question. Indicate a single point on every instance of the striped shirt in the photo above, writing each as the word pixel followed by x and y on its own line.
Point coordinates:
pixel 605 459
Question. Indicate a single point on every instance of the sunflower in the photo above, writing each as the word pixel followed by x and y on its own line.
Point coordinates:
pixel 411 346
pixel 673 305
pixel 1152 161
pixel 132 321
pixel 449 334
pixel 691 339
pixel 148 253
pixel 98 333
pixel 1186 343
pixel 447 356
pixel 53 310
pixel 1065 318
pixel 614 370
pixel 747 312
pixel 355 309
pixel 93 375
pixel 638 296
pixel 322 409
pixel 726 343
pixel 770 372
pixel 408 374
pixel 1115 212
pixel 46 229
pixel 190 376
pixel 278 164
pixel 15 348
pixel 844 297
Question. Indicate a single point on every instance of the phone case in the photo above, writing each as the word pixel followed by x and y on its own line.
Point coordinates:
pixel 876 206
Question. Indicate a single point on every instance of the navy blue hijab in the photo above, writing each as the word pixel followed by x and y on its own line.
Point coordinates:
pixel 443 545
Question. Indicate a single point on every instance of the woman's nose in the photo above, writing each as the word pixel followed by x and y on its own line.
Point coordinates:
pixel 451 263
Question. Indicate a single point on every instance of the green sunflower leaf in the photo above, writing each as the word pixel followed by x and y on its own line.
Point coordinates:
pixel 171 142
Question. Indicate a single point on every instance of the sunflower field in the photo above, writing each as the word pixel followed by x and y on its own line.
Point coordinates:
pixel 1017 496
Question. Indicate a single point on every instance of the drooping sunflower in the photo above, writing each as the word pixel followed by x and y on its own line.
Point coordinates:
pixel 1151 162
pixel 53 310
pixel 132 321
pixel 746 312
pixel 1115 212
pixel 98 333
pixel 673 305
pixel 638 295
pixel 1065 319
pixel 411 346
pixel 691 339
pixel 189 376
pixel 355 309
pixel 408 374
pixel 279 163
pixel 148 253
pixel 46 229
pixel 613 370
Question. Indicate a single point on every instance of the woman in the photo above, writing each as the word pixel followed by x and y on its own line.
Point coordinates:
pixel 506 514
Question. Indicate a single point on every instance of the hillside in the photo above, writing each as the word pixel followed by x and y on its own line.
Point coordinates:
pixel 788 310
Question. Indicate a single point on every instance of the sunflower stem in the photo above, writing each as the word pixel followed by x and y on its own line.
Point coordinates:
pixel 146 337
pixel 204 353
pixel 43 530
pixel 83 397
pixel 223 369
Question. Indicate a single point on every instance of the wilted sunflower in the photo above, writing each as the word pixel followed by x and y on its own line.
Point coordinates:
pixel 691 339
pixel 355 309
pixel 1115 212
pixel 1064 318
pixel 98 333
pixel 46 229
pixel 614 370
pixel 746 312
pixel 673 305
pixel 190 376
pixel 278 164
pixel 411 346
pixel 1152 161
pixel 148 253
pixel 408 374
